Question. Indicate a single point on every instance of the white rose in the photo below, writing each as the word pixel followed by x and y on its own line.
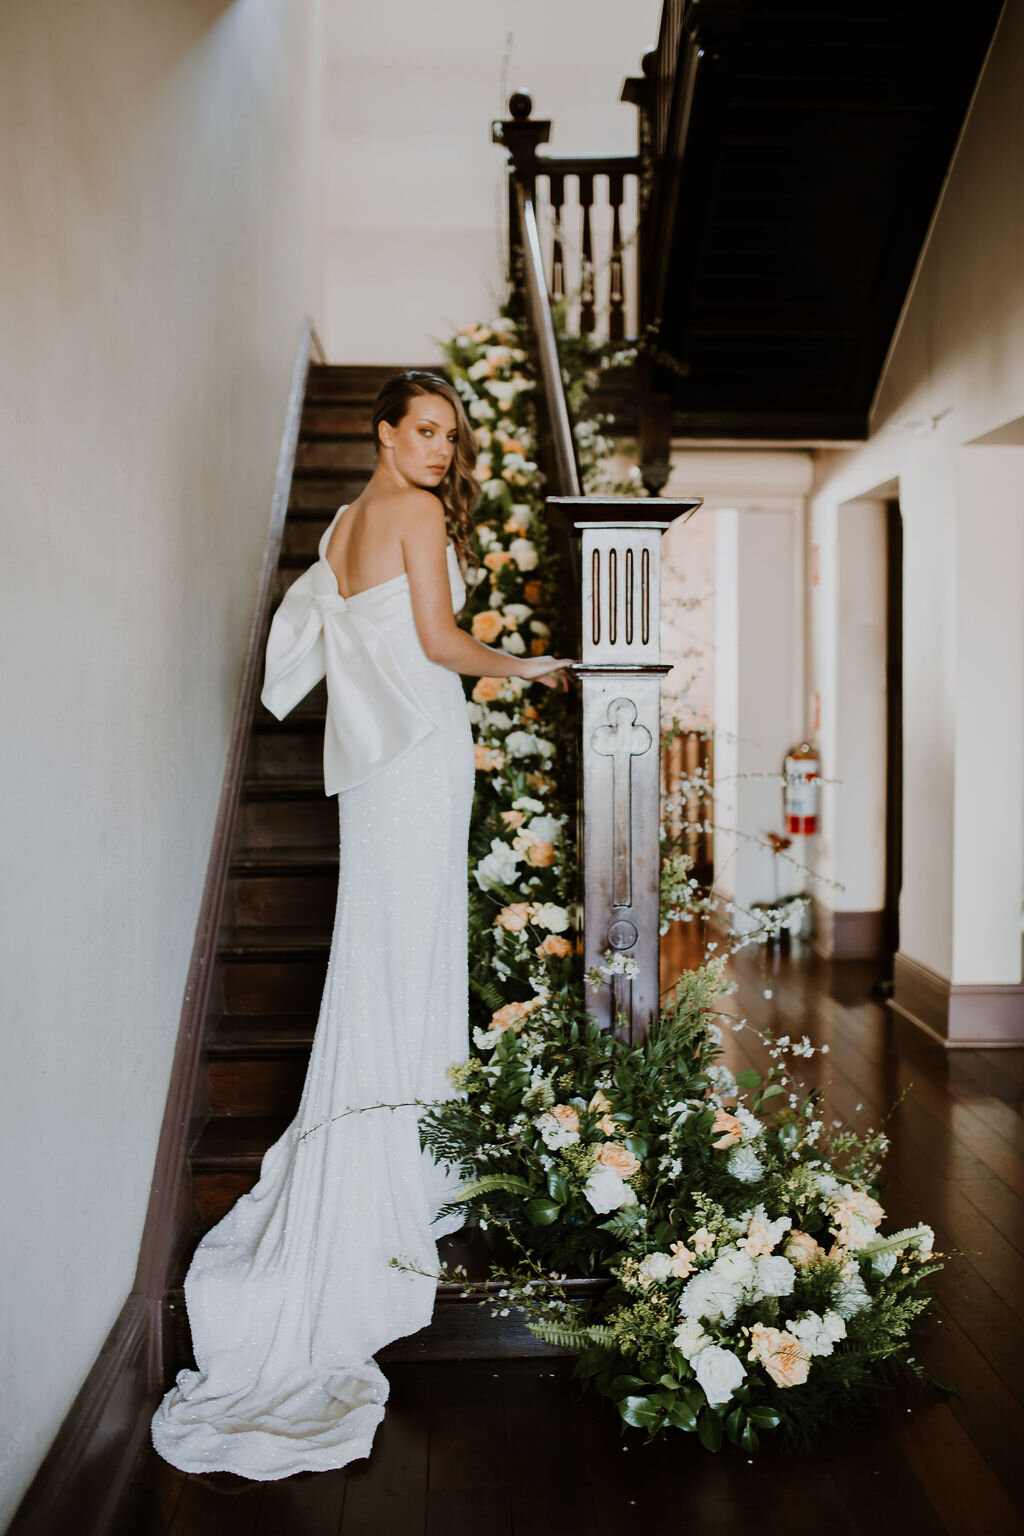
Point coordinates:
pixel 774 1275
pixel 606 1191
pixel 488 539
pixel 521 744
pixel 498 867
pixel 527 803
pixel 476 712
pixel 521 514
pixel 479 369
pixel 496 598
pixel 554 918
pixel 546 829
pixel 497 719
pixel 655 1267
pixel 514 643
pixel 539 629
pixel 516 613
pixel 524 553
pixel 690 1339
pixel 719 1373
pixel 481 410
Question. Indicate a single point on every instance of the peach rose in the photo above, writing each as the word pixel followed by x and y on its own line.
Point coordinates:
pixel 785 1358
pixel 487 689
pixel 496 558
pixel 514 917
pixel 618 1158
pixel 487 625
pixel 513 1013
pixel 533 593
pixel 538 647
pixel 566 1116
pixel 682 1260
pixel 487 759
pixel 801 1249
pixel 554 946
pixel 513 818
pixel 482 470
pixel 540 855
pixel 538 781
pixel 602 1102
pixel 857 1206
pixel 727 1128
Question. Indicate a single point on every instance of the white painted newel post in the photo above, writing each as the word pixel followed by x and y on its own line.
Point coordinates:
pixel 620 674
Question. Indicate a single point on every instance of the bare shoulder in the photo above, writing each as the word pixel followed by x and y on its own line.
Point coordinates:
pixel 418 517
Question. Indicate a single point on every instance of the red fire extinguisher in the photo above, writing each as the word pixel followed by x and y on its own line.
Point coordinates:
pixel 802 768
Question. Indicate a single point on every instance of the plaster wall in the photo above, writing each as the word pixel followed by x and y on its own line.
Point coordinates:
pixel 414 192
pixel 158 180
pixel 955 374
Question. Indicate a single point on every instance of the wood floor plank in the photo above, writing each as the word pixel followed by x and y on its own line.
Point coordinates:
pixel 467 1425
pixel 388 1490
pixel 468 1512
pixel 148 1505
pixel 550 1491
pixel 307 1505
pixel 217 1505
pixel 964 1492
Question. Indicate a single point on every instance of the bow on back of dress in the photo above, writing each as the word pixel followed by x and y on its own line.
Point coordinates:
pixel 373 715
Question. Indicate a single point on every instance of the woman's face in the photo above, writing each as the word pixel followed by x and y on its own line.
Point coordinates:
pixel 423 443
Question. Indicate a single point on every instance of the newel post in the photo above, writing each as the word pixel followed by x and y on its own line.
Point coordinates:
pixel 620 674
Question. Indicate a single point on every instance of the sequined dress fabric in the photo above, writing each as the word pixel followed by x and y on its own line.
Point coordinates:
pixel 291 1294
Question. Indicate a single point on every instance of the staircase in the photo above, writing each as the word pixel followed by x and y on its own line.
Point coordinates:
pixel 278 911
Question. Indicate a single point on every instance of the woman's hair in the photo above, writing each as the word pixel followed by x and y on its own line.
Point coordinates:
pixel 459 491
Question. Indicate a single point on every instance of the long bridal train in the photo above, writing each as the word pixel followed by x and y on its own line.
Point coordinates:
pixel 290 1295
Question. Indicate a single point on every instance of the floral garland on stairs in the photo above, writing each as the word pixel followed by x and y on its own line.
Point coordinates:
pixel 749 1285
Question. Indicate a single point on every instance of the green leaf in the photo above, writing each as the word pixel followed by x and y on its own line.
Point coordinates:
pixel 733 1424
pixel 640 1412
pixel 749 1078
pixel 665 1380
pixel 748 1439
pixel 638 1145
pixel 709 1430
pixel 682 1417
pixel 493 1181
pixel 771 1091
pixel 622 1386
pixel 764 1418
pixel 558 1188
pixel 542 1212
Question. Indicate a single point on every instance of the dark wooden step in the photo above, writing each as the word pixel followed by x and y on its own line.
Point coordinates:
pixel 283 860
pixel 328 418
pixel 302 537
pixel 342 379
pixel 321 492
pixel 352 451
pixel 272 970
pixel 255 1066
pixel 292 748
pixel 304 788
pixel 306 822
pixel 272 898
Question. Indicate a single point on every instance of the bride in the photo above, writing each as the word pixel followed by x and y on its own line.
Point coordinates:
pixel 290 1295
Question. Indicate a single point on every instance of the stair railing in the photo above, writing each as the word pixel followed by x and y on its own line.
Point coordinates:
pixel 616 555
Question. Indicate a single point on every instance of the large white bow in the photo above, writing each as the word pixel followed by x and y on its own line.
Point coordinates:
pixel 373 716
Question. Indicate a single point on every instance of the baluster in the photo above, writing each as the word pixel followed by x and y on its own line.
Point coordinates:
pixel 616 309
pixel 587 316
pixel 556 189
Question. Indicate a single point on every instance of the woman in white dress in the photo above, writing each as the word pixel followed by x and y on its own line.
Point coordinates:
pixel 292 1292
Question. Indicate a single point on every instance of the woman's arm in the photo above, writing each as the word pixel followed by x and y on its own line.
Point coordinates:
pixel 424 538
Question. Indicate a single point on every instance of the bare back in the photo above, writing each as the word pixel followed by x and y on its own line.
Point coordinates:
pixel 365 548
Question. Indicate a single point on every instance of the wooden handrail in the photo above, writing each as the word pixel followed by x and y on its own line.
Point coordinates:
pixel 563 442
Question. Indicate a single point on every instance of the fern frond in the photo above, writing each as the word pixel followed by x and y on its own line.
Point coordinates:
pixel 493 1181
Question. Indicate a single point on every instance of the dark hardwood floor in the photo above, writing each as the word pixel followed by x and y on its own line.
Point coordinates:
pixel 512 1448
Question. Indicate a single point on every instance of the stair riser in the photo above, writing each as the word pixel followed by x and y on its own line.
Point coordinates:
pixel 273 986
pixel 285 754
pixel 326 494
pixel 337 380
pixel 339 453
pixel 239 1087
pixel 214 1193
pixel 315 703
pixel 288 824
pixel 303 538
pixel 323 417
pixel 280 901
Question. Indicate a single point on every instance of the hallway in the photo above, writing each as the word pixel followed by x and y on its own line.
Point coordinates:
pixel 510 1448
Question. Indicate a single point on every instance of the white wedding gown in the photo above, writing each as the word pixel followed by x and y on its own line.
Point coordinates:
pixel 291 1293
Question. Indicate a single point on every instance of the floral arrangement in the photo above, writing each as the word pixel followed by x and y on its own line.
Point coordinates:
pixel 744 1281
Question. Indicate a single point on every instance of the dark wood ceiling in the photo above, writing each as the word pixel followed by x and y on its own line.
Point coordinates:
pixel 815 151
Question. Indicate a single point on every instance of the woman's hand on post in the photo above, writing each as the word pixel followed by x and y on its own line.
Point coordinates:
pixel 552 671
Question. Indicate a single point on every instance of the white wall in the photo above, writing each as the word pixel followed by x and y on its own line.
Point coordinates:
pixel 156 263
pixel 955 373
pixel 414 191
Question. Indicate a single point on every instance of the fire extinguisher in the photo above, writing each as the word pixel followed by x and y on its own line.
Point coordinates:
pixel 801 793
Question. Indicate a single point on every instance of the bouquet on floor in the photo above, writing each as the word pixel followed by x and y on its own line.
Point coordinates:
pixel 748 1283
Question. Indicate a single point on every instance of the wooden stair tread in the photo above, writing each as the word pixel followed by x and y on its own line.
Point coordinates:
pixel 283 789
pixel 273 943
pixel 236 1141
pixel 261 1034
pixel 306 724
pixel 284 860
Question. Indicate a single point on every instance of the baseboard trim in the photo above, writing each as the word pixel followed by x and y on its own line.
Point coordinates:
pixel 81 1479
pixel 846 935
pixel 85 1472
pixel 958 1017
